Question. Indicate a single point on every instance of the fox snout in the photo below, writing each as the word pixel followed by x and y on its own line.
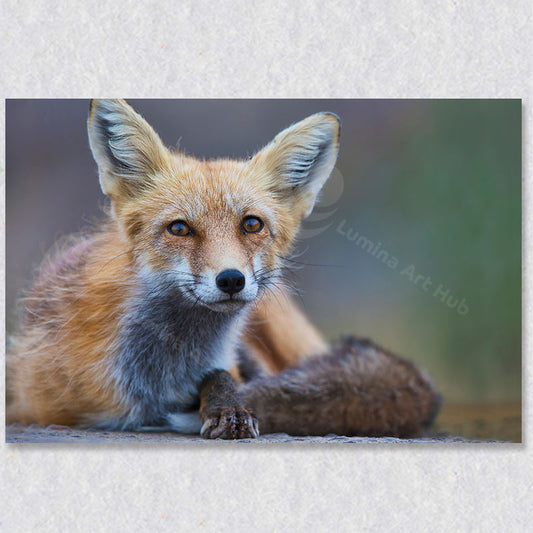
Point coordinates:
pixel 225 288
pixel 231 281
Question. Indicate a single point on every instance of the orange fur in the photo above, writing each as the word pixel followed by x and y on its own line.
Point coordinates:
pixel 59 372
pixel 280 335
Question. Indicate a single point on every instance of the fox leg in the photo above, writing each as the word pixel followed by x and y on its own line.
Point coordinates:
pixel 280 335
pixel 221 412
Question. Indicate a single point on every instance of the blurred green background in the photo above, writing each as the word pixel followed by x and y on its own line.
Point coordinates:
pixel 436 184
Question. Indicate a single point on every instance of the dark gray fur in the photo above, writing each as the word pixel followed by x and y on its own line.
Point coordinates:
pixel 167 347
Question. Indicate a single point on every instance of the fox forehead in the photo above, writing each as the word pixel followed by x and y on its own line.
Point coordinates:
pixel 212 197
pixel 201 190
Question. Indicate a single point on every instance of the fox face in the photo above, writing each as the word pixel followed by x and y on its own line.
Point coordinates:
pixel 214 231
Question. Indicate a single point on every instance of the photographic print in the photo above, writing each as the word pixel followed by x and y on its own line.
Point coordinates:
pixel 263 270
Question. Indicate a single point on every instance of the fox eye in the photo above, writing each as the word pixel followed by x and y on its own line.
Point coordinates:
pixel 180 228
pixel 252 224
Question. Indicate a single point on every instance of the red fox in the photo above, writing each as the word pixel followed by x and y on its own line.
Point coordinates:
pixel 172 314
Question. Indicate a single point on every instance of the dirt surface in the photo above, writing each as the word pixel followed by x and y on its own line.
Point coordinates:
pixel 36 434
pixel 455 423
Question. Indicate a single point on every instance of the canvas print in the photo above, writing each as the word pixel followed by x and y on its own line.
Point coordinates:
pixel 263 270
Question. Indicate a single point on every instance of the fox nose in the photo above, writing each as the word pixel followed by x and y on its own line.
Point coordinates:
pixel 230 281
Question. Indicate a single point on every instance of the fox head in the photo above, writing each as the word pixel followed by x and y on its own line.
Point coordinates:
pixel 216 231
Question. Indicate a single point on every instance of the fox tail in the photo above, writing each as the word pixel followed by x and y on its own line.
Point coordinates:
pixel 358 389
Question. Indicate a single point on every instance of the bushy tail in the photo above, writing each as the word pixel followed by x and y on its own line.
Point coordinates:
pixel 357 389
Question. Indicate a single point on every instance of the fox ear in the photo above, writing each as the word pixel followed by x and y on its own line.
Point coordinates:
pixel 125 147
pixel 299 160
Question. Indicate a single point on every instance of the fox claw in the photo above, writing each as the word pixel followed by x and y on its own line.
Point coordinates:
pixel 230 423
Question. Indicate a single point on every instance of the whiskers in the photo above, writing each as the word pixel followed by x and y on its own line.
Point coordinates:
pixel 187 282
pixel 293 264
pixel 276 280
pixel 271 280
pixel 177 281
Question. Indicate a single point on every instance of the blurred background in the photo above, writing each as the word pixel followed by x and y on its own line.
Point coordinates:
pixel 416 242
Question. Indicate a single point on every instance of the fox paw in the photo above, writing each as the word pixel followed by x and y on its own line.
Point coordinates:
pixel 230 423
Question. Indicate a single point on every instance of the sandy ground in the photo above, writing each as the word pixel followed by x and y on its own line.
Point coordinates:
pixel 455 423
pixel 35 434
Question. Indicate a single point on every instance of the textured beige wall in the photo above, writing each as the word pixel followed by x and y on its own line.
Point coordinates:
pixel 412 48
